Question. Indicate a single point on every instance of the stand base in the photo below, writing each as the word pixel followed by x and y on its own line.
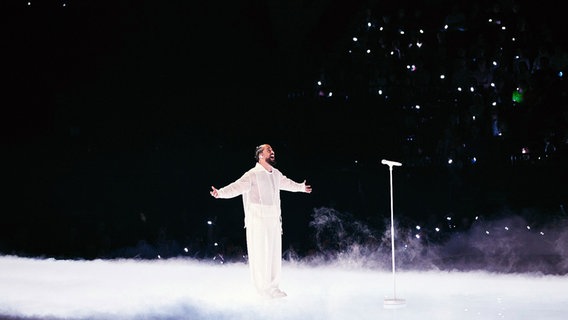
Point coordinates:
pixel 394 303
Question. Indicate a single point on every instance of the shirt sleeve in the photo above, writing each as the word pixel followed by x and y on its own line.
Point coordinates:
pixel 236 188
pixel 287 184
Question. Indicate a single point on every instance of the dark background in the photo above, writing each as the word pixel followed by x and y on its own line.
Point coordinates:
pixel 118 116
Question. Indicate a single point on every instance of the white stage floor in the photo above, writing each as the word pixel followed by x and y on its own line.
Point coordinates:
pixel 190 289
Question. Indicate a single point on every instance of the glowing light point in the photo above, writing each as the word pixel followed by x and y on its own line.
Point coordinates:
pixel 209 222
pixel 186 250
pixel 437 229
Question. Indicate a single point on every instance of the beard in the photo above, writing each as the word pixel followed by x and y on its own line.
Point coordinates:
pixel 271 160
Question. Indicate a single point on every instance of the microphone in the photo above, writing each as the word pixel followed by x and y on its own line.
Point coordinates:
pixel 391 163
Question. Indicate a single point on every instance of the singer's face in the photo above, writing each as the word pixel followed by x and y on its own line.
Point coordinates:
pixel 269 155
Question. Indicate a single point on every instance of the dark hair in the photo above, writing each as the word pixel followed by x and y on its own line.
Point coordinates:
pixel 258 150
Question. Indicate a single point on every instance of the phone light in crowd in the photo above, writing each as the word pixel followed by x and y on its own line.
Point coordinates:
pixel 368 50
pixel 560 74
pixel 442 76
pixel 355 39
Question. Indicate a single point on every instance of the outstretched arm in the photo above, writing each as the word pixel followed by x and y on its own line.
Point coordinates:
pixel 233 189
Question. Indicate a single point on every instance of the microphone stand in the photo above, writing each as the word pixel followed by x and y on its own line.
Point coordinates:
pixel 393 302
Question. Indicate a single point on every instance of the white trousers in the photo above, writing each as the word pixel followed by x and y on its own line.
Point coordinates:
pixel 264 246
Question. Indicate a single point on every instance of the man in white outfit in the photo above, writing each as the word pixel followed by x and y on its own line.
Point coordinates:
pixel 260 188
